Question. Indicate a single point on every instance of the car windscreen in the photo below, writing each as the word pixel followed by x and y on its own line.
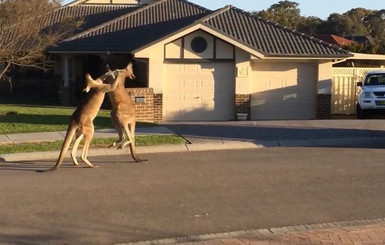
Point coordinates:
pixel 375 79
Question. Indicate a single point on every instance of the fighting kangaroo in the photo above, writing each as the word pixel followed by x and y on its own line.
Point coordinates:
pixel 81 122
pixel 123 111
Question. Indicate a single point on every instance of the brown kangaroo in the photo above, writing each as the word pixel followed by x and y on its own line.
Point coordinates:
pixel 123 111
pixel 81 122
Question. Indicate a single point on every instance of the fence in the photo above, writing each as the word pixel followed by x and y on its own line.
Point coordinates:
pixel 344 89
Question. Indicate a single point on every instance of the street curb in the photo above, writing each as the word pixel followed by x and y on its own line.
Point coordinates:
pixel 258 233
pixel 206 146
pixel 220 145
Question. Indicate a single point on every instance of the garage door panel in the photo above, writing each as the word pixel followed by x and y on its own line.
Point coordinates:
pixel 286 93
pixel 173 98
pixel 189 84
pixel 205 93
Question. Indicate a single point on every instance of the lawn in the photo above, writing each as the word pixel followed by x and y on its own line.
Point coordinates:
pixel 28 119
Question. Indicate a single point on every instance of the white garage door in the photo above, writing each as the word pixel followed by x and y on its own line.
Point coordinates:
pixel 199 92
pixel 283 91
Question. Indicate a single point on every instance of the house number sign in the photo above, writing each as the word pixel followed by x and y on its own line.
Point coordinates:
pixel 242 72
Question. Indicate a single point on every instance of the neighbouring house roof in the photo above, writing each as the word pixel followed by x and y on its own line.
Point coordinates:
pixel 333 39
pixel 361 39
pixel 154 22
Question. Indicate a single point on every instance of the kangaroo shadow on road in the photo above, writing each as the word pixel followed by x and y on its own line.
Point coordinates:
pixel 26 166
pixel 41 166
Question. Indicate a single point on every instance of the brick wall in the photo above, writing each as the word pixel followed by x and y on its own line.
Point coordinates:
pixel 323 110
pixel 143 99
pixel 242 104
pixel 158 107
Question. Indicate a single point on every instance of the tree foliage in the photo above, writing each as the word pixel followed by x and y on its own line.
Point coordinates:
pixel 355 22
pixel 285 13
pixel 26 32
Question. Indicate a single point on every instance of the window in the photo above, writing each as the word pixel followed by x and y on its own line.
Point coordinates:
pixel 199 44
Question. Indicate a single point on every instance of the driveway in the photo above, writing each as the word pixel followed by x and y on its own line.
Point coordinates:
pixel 287 133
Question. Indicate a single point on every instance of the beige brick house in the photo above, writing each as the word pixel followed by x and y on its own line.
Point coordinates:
pixel 196 64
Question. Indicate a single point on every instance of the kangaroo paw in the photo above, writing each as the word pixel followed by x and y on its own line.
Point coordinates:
pixel 124 144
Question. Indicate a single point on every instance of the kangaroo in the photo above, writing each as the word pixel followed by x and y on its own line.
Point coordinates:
pixel 123 111
pixel 81 122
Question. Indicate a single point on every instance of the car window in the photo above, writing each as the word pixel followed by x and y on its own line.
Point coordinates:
pixel 375 79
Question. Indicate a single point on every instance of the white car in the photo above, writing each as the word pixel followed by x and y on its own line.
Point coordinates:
pixel 372 94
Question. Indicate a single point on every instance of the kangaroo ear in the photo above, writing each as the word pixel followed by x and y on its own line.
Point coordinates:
pixel 88 82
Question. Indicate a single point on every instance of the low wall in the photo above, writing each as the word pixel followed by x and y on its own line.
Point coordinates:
pixel 143 99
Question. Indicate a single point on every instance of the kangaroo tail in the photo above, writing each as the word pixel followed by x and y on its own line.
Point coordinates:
pixel 66 144
pixel 133 153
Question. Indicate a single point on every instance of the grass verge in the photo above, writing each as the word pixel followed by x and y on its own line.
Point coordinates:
pixel 147 140
pixel 15 119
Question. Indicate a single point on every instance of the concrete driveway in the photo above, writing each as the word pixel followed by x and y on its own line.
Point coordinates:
pixel 368 133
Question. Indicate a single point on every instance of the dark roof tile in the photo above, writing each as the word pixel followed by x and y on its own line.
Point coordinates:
pixel 91 14
pixel 143 26
pixel 267 37
pixel 136 29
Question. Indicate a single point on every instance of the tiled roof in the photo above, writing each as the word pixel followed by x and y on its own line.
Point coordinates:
pixel 361 39
pixel 91 14
pixel 156 21
pixel 136 29
pixel 268 37
pixel 333 39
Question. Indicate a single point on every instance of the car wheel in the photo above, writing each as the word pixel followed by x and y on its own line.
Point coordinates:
pixel 360 114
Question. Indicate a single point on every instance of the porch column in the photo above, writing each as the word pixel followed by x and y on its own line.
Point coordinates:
pixel 243 78
pixel 64 90
pixel 66 74
pixel 324 86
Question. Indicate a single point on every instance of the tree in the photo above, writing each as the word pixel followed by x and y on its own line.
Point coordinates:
pixel 355 22
pixel 376 25
pixel 309 25
pixel 26 32
pixel 285 13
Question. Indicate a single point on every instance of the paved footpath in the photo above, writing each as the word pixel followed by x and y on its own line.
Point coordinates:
pixel 368 234
pixel 372 233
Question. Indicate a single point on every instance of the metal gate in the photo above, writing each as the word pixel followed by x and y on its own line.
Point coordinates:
pixel 344 88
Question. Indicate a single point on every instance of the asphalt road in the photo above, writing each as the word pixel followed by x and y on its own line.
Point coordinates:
pixel 189 193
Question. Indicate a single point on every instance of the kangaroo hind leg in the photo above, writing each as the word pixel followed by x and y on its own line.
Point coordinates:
pixel 118 128
pixel 131 135
pixel 75 148
pixel 87 141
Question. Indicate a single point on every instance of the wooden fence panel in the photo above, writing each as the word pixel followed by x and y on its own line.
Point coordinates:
pixel 345 90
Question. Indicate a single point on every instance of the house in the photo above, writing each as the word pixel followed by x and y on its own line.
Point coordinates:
pixel 365 40
pixel 334 39
pixel 196 64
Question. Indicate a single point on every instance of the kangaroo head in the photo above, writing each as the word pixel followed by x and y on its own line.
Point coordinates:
pixel 128 71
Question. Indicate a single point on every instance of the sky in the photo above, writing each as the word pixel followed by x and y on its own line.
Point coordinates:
pixel 318 8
